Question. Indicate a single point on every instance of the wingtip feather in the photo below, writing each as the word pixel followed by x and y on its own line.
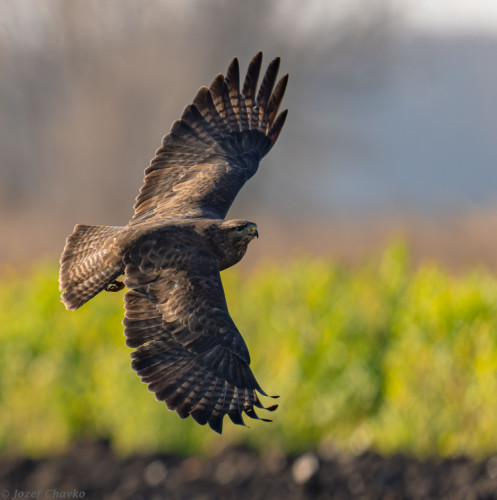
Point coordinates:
pixel 253 71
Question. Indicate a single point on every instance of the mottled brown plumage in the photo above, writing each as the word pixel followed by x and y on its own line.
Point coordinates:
pixel 188 350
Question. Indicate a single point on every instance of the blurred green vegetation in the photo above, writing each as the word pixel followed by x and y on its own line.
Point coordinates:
pixel 379 356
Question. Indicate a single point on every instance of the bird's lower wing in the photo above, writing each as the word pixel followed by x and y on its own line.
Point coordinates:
pixel 188 350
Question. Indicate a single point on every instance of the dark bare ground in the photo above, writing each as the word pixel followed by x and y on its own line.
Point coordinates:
pixel 92 470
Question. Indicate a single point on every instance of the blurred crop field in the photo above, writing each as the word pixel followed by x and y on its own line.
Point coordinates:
pixel 380 355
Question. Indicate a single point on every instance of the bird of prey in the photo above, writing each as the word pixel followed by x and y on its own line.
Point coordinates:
pixel 188 350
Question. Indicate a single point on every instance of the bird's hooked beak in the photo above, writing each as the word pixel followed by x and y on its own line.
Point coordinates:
pixel 251 230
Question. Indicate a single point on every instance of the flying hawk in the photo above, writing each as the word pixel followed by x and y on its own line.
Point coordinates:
pixel 188 349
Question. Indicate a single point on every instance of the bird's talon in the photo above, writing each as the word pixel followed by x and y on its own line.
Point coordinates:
pixel 115 286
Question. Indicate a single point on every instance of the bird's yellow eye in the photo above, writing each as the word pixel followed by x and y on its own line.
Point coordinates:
pixel 253 229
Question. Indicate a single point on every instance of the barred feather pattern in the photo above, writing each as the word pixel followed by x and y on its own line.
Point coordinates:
pixel 91 259
pixel 215 147
pixel 188 350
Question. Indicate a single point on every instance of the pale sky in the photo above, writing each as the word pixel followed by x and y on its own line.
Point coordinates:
pixel 451 15
pixel 438 16
pixel 21 19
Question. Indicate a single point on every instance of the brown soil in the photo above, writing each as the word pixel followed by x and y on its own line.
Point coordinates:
pixel 91 470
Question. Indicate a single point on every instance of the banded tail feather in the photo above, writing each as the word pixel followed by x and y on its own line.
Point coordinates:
pixel 92 258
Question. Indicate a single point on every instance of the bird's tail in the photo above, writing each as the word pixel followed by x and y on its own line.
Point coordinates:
pixel 92 258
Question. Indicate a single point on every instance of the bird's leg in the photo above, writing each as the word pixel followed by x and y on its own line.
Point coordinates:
pixel 115 286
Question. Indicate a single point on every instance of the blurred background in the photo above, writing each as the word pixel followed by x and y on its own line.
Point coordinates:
pixel 393 112
pixel 374 278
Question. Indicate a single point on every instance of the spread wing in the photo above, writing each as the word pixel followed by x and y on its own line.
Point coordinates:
pixel 215 147
pixel 188 349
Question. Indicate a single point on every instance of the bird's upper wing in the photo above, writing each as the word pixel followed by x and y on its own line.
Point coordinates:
pixel 215 147
pixel 188 349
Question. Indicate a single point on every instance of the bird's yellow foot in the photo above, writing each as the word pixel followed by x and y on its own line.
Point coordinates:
pixel 115 286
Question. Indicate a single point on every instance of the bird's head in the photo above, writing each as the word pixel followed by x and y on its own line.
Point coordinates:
pixel 240 230
pixel 233 237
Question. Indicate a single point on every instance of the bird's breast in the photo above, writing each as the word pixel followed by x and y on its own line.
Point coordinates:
pixel 231 256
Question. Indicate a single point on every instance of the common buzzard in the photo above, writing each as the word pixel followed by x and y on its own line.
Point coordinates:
pixel 188 349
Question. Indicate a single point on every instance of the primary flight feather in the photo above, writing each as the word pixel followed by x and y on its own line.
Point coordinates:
pixel 188 349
